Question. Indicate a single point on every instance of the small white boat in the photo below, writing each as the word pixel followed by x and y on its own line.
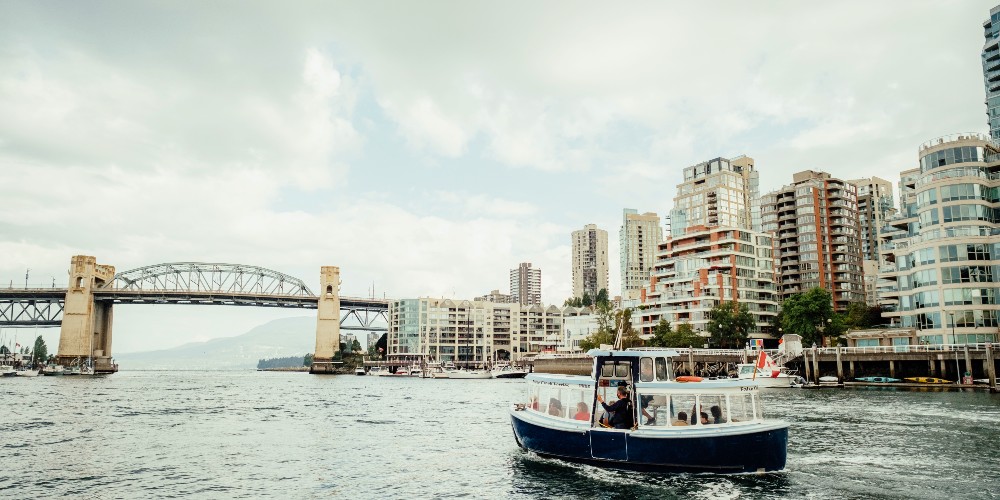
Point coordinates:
pixel 766 374
pixel 470 374
pixel 379 371
pixel 53 370
pixel 7 371
pixel 828 380
pixel 27 373
pixel 359 370
pixel 507 370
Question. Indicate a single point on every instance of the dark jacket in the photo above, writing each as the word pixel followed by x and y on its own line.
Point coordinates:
pixel 621 413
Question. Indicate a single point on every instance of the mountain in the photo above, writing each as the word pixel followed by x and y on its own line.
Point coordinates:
pixel 278 338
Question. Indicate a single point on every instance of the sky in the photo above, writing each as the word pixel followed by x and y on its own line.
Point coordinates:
pixel 426 148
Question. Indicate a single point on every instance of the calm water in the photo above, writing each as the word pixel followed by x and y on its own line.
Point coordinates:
pixel 257 434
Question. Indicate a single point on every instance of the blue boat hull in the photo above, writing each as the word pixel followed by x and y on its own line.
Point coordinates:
pixel 735 451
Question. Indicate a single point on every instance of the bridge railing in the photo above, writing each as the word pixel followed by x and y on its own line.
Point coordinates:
pixel 902 349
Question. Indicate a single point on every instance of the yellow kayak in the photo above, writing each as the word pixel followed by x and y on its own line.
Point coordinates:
pixel 928 380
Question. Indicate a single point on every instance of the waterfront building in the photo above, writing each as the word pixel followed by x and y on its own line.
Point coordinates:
pixel 875 206
pixel 590 261
pixel 497 298
pixel 717 193
pixel 815 222
pixel 473 333
pixel 578 324
pixel 372 339
pixel 941 252
pixel 706 266
pixel 526 284
pixel 991 70
pixel 638 238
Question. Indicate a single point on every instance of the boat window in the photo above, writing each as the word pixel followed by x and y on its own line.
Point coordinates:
pixel 577 404
pixel 622 370
pixel 758 405
pixel 741 408
pixel 682 407
pixel 716 408
pixel 655 404
pixel 608 370
pixel 646 369
pixel 533 397
pixel 662 369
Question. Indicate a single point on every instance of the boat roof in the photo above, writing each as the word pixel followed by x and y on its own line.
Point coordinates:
pixel 634 353
pixel 719 385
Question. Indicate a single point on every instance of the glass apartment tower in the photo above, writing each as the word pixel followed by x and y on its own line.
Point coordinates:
pixel 941 254
pixel 991 70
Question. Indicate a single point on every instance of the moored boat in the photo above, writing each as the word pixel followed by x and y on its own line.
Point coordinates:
pixel 27 373
pixel 470 374
pixel 927 380
pixel 379 371
pixel 765 373
pixel 7 371
pixel 669 426
pixel 359 370
pixel 828 380
pixel 507 370
pixel 878 380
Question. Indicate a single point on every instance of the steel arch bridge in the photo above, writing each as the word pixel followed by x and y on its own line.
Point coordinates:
pixel 234 279
pixel 192 283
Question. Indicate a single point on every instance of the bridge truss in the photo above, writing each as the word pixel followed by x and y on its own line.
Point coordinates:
pixel 233 279
pixel 31 308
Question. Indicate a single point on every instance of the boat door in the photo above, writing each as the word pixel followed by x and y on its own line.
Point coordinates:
pixel 610 444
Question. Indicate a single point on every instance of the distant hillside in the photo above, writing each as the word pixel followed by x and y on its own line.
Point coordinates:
pixel 278 338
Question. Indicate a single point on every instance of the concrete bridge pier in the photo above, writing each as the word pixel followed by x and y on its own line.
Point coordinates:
pixel 327 321
pixel 86 326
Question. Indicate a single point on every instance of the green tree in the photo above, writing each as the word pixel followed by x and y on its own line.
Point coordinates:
pixel 623 324
pixel 307 360
pixel 355 346
pixel 810 315
pixel 605 334
pixel 685 336
pixel 602 297
pixel 587 301
pixel 729 324
pixel 4 349
pixel 594 340
pixel 661 333
pixel 40 351
pixel 382 346
pixel 573 302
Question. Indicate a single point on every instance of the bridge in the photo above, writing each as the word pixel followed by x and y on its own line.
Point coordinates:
pixel 83 310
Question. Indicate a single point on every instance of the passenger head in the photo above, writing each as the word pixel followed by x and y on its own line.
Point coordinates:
pixel 555 407
pixel 622 392
pixel 704 417
pixel 716 411
pixel 682 416
pixel 581 407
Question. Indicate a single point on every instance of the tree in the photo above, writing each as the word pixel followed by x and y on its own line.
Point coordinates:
pixel 355 346
pixel 661 332
pixel 623 324
pixel 605 334
pixel 587 301
pixel 382 346
pixel 573 302
pixel 602 297
pixel 4 349
pixel 729 324
pixel 307 360
pixel 40 351
pixel 810 315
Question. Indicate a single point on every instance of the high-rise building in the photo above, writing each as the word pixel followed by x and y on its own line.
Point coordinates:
pixel 875 206
pixel 526 284
pixel 497 298
pixel 590 261
pixel 474 333
pixel 941 254
pixel 637 239
pixel 815 220
pixel 991 70
pixel 717 193
pixel 705 267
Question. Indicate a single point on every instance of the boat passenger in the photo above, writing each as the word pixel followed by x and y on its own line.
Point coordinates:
pixel 704 418
pixel 717 415
pixel 555 407
pixel 621 410
pixel 582 413
pixel 682 419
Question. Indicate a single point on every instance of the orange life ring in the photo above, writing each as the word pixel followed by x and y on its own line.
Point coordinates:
pixel 688 378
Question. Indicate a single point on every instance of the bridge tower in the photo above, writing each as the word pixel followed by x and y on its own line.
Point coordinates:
pixel 86 324
pixel 327 321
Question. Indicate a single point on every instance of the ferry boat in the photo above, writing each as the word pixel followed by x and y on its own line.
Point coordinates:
pixel 562 417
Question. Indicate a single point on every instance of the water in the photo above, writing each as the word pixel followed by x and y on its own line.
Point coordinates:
pixel 262 434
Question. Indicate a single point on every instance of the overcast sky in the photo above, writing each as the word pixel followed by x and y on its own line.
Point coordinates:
pixel 428 147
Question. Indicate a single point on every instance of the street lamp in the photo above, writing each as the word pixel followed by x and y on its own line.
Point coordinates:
pixel 952 314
